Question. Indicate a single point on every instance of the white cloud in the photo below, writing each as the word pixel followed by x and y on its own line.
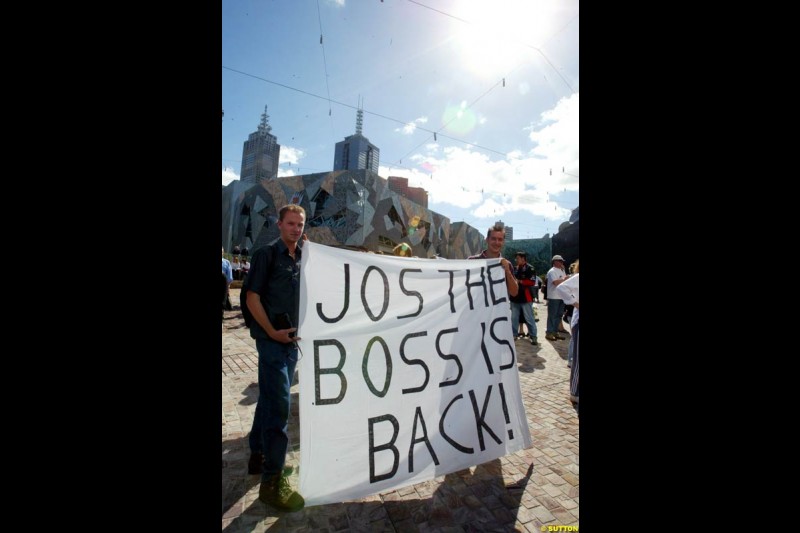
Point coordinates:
pixel 522 181
pixel 337 3
pixel 290 155
pixel 557 140
pixel 409 128
pixel 228 175
pixel 286 172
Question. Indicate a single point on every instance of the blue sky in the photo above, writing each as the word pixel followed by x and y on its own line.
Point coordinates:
pixel 497 80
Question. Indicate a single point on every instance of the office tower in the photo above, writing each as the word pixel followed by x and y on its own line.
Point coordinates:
pixel 356 152
pixel 261 153
pixel 509 231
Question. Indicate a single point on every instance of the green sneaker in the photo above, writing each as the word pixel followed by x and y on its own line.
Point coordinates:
pixel 277 492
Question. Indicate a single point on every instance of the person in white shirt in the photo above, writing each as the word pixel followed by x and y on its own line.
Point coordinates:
pixel 555 305
pixel 245 268
pixel 237 268
pixel 570 294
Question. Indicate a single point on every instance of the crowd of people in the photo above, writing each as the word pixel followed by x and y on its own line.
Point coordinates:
pixel 271 288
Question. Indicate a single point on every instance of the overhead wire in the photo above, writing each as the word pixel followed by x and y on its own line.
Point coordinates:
pixel 503 81
pixel 398 121
pixel 325 64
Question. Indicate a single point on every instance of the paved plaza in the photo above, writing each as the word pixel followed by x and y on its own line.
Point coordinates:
pixel 524 491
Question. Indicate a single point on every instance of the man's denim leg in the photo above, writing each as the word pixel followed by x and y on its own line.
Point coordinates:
pixel 255 432
pixel 574 389
pixel 514 319
pixel 552 315
pixel 527 313
pixel 276 364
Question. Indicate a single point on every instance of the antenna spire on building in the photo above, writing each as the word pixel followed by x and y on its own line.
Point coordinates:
pixel 264 127
pixel 359 115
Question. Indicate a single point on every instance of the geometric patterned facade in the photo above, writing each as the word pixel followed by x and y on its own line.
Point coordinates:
pixel 357 209
pixel 353 208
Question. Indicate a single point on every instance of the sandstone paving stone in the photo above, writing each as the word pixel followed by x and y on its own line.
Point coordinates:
pixel 451 500
pixel 405 526
pixel 440 516
pixel 548 502
pixel 425 490
pixel 567 503
pixel 483 516
pixel 543 514
pixel 481 490
pixel 233 511
pixel 382 526
pixel 552 490
pixel 392 496
pixel 525 515
pixel 550 452
pixel 472 501
pixel 567 489
pixel 461 515
pixel 420 511
pixel 492 502
pixel 462 489
pixel 563 516
pixel 367 512
pixel 534 526
pixel 405 491
pixel 511 499
pixel 555 479
pixel 564 460
pixel 536 491
pixel 503 515
pixel 538 480
pixel 397 511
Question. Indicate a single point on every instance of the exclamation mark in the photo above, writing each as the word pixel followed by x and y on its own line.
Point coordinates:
pixel 505 410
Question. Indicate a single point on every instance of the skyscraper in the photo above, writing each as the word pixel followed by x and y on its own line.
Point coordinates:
pixel 356 152
pixel 509 231
pixel 261 153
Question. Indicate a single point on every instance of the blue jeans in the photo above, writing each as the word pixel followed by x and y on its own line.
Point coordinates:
pixel 527 314
pixel 270 432
pixel 574 342
pixel 555 311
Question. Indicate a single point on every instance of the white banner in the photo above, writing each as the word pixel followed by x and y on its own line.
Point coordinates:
pixel 409 371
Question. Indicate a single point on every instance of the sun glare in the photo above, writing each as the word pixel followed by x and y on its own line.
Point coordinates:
pixel 501 33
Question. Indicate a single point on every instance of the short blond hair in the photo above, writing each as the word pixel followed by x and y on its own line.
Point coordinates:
pixel 294 208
